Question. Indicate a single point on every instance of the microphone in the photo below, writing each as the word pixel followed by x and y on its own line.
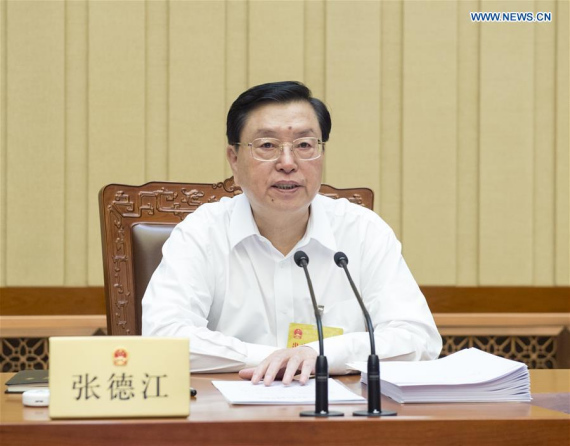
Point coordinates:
pixel 321 367
pixel 374 405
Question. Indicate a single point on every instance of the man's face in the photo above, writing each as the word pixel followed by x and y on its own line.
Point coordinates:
pixel 267 184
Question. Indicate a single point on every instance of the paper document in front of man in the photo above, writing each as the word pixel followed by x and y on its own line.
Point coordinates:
pixel 228 280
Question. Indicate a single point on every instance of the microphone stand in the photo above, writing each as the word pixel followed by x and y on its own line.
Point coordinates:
pixel 321 367
pixel 374 404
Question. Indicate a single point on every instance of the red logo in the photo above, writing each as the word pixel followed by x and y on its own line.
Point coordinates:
pixel 120 357
pixel 298 333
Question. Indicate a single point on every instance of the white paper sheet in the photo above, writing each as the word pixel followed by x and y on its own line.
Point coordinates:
pixel 244 392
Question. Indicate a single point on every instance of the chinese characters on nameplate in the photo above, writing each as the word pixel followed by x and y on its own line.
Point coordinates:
pixel 119 386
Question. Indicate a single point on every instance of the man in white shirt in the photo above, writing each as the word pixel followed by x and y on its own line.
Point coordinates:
pixel 228 280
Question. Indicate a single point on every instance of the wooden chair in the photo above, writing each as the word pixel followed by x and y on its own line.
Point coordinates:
pixel 135 223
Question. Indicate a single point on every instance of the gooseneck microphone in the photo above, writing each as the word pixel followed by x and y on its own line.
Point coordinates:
pixel 321 367
pixel 374 405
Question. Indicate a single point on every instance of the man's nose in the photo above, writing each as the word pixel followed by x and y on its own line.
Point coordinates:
pixel 287 160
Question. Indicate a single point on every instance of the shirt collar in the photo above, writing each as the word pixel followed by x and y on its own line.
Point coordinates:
pixel 319 227
pixel 242 224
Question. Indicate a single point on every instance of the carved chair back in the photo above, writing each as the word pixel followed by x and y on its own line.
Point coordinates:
pixel 137 220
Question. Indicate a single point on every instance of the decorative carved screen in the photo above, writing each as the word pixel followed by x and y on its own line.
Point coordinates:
pixel 538 352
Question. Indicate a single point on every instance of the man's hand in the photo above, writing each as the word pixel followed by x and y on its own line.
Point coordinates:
pixel 283 364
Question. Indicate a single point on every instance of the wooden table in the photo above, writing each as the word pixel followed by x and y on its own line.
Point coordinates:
pixel 213 421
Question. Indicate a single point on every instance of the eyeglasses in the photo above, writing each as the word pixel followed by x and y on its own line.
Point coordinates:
pixel 269 149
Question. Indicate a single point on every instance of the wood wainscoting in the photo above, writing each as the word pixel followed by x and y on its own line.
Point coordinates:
pixel 529 324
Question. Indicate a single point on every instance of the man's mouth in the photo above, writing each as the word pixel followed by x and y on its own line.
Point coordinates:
pixel 286 186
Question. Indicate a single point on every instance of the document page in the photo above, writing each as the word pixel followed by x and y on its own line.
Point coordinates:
pixel 244 392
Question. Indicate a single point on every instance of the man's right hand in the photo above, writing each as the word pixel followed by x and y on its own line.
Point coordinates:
pixel 283 364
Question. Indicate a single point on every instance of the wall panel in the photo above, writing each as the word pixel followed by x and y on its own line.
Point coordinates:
pixel 353 94
pixel 315 47
pixel 76 125
pixel 197 93
pixel 467 184
pixel 429 140
pixel 116 107
pixel 3 140
pixel 314 51
pixel 391 82
pixel 35 137
pixel 562 206
pixel 544 133
pixel 156 85
pixel 506 150
pixel 276 41
pixel 236 57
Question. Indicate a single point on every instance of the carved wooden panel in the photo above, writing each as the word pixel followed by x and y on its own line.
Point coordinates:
pixel 23 354
pixel 537 352
pixel 362 196
pixel 122 206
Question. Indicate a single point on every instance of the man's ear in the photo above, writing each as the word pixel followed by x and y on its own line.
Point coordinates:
pixel 232 156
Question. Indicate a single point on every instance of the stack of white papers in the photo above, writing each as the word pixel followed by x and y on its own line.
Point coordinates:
pixel 469 375
pixel 244 392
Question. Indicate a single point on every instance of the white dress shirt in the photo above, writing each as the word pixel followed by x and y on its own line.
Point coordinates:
pixel 224 286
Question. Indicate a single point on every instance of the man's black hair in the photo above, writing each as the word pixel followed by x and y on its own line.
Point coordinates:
pixel 278 92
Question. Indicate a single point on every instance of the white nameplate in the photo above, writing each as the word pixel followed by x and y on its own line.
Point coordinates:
pixel 118 376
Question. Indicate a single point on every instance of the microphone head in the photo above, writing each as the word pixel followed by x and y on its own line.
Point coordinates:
pixel 301 258
pixel 340 258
